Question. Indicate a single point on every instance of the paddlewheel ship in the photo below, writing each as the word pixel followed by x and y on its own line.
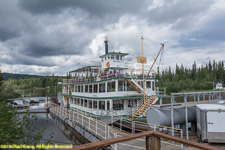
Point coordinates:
pixel 111 88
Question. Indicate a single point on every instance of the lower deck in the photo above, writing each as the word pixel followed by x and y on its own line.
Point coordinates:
pixel 103 107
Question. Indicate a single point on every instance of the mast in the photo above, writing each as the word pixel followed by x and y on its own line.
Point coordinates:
pixel 143 68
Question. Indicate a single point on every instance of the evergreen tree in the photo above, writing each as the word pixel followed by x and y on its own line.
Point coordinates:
pixel 1 78
pixel 195 78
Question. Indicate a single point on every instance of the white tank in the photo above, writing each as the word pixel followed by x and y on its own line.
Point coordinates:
pixel 163 116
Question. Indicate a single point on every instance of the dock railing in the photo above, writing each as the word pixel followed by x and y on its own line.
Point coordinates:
pixel 114 129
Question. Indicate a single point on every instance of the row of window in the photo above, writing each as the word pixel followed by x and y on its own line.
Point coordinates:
pixel 101 105
pixel 101 87
pixel 116 57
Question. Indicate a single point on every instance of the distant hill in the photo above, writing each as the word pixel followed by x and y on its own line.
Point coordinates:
pixel 7 76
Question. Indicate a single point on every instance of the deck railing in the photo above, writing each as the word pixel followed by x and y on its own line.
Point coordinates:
pixel 152 141
pixel 105 131
pixel 102 77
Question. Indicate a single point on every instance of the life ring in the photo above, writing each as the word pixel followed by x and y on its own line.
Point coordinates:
pixel 107 64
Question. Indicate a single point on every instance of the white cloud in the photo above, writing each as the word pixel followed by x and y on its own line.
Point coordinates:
pixel 56 38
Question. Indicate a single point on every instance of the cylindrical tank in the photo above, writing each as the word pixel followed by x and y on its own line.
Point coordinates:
pixel 163 116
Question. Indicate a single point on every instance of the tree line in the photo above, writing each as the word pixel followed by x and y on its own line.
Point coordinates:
pixel 7 76
pixel 194 78
pixel 40 82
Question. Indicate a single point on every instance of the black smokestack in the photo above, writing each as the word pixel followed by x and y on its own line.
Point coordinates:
pixel 106 44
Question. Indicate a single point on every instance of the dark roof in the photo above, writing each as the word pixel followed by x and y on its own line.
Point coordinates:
pixel 83 68
pixel 115 53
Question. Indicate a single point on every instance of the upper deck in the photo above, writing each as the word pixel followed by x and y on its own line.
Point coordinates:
pixel 95 74
pixel 113 65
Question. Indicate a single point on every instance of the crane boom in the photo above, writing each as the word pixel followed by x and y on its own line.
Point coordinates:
pixel 154 61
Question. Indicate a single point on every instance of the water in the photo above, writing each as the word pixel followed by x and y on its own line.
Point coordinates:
pixel 62 134
pixel 59 134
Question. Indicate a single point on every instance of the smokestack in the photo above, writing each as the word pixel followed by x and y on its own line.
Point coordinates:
pixel 106 44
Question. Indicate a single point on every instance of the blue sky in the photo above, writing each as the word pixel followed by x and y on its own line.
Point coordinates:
pixel 55 36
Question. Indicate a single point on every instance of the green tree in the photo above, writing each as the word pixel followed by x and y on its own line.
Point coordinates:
pixel 16 129
pixel 1 79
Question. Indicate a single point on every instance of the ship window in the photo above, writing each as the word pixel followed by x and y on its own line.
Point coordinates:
pixel 117 57
pixel 105 58
pixel 108 105
pixel 130 103
pixel 75 101
pixel 108 57
pixel 101 87
pixel 111 87
pixel 72 88
pixel 153 86
pixel 120 57
pixel 112 56
pixel 81 102
pixel 78 88
pixel 148 84
pixel 90 104
pixel 102 59
pixel 102 105
pixel 129 87
pixel 118 104
pixel 135 102
pixel 95 104
pixel 120 85
pixel 86 88
pixel 75 88
pixel 90 88
pixel 81 88
pixel 78 101
pixel 95 88
pixel 85 103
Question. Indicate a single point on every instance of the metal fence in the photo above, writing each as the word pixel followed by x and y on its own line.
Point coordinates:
pixel 114 127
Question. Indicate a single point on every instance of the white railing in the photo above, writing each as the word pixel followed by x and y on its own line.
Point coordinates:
pixel 104 131
pixel 138 106
pixel 98 127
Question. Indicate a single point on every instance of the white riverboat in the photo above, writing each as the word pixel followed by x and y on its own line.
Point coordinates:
pixel 112 88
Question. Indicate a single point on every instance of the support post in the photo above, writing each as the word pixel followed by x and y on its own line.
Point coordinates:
pixel 186 117
pixel 161 100
pixel 120 124
pixel 132 123
pixel 96 127
pixel 153 143
pixel 172 121
pixel 209 98
pixel 198 98
pixel 112 120
pixel 106 131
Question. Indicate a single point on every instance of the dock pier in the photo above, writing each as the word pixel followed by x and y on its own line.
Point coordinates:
pixel 95 130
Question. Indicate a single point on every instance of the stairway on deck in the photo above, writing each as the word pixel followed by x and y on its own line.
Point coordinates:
pixel 142 106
